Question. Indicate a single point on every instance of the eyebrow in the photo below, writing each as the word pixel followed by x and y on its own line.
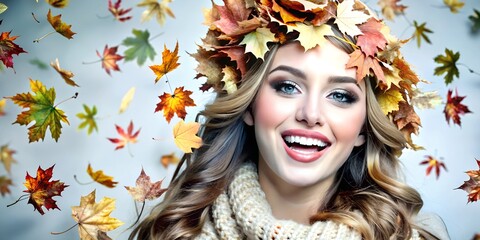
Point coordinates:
pixel 343 79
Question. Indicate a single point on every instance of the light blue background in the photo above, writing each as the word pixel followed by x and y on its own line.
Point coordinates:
pixel 75 149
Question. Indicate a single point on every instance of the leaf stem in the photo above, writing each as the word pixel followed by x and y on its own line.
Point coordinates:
pixel 129 151
pixel 469 69
pixel 36 20
pixel 158 35
pixel 42 37
pixel 81 183
pixel 139 215
pixel 21 198
pixel 74 96
pixel 93 61
pixel 103 17
pixel 168 81
pixel 58 233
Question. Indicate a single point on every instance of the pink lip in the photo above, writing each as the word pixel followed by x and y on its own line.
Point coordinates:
pixel 301 156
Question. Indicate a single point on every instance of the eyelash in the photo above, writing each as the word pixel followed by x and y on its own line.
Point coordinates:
pixel 346 96
pixel 279 86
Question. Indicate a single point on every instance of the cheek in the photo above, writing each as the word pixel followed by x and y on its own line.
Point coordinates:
pixel 348 125
pixel 269 110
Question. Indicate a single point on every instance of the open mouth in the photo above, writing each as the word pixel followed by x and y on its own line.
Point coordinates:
pixel 304 144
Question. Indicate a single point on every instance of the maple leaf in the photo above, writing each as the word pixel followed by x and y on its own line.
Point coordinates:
pixel 232 19
pixel 348 18
pixel 432 163
pixel 364 63
pixel 94 218
pixel 110 58
pixel 475 18
pixel 256 41
pixel 41 110
pixel 126 100
pixel 185 137
pixel 155 7
pixel 88 119
pixel 60 26
pixel 125 138
pixel 389 100
pixel 391 8
pixel 448 65
pixel 6 157
pixel 42 190
pixel 8 48
pixel 454 5
pixel 65 74
pixel 421 33
pixel 118 12
pixel 145 189
pixel 175 104
pixel 229 76
pixel 100 177
pixel 139 47
pixel 168 159
pixel 3 103
pixel 212 70
pixel 58 3
pixel 425 100
pixel 5 182
pixel 372 39
pixel 454 108
pixel 169 62
pixel 472 186
pixel 311 36
pixel 3 8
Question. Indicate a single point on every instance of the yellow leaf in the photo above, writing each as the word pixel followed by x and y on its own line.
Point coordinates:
pixel 66 75
pixel 454 5
pixel 100 177
pixel 389 100
pixel 348 18
pixel 126 100
pixel 166 160
pixel 93 218
pixel 169 62
pixel 185 136
pixel 311 36
pixel 58 3
pixel 6 157
pixel 229 76
pixel 3 103
pixel 160 9
pixel 256 41
pixel 425 100
pixel 60 26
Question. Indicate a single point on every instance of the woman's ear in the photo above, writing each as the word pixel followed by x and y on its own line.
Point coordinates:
pixel 248 117
pixel 360 140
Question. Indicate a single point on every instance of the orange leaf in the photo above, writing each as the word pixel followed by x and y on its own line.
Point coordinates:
pixel 110 58
pixel 371 39
pixel 166 160
pixel 60 26
pixel 472 186
pixel 5 182
pixel 145 189
pixel 42 190
pixel 65 74
pixel 58 3
pixel 169 62
pixel 3 102
pixel 364 64
pixel 176 103
pixel 100 177
pixel 454 108
pixel 433 163
pixel 8 48
pixel 125 138
pixel 185 136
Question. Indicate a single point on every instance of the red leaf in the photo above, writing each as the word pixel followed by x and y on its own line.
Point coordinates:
pixel 125 138
pixel 118 12
pixel 454 108
pixel 110 58
pixel 8 48
pixel 472 186
pixel 372 39
pixel 433 163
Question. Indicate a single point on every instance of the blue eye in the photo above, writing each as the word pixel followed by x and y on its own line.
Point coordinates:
pixel 286 87
pixel 343 97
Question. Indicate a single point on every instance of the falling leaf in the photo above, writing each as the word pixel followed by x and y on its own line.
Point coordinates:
pixel 348 18
pixel 425 100
pixel 421 33
pixel 176 103
pixel 3 103
pixel 454 108
pixel 311 36
pixel 42 190
pixel 185 136
pixel 58 3
pixel 118 12
pixel 110 58
pixel 94 218
pixel 389 100
pixel 5 182
pixel 371 39
pixel 169 62
pixel 39 63
pixel 126 100
pixel 155 7
pixel 454 5
pixel 168 159
pixel 229 76
pixel 448 65
pixel 391 8
pixel 6 157
pixel 432 163
pixel 3 8
pixel 475 18
pixel 256 41
pixel 8 48
pixel 364 64
pixel 60 26
pixel 145 189
pixel 472 186
pixel 41 110
pixel 139 47
pixel 88 119
pixel 100 177
pixel 125 138
pixel 65 74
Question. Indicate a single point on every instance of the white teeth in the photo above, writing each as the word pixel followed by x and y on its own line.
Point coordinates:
pixel 305 141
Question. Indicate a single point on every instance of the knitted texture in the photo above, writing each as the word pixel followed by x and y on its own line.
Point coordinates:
pixel 242 212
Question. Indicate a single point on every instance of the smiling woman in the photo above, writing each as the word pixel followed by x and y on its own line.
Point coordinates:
pixel 302 149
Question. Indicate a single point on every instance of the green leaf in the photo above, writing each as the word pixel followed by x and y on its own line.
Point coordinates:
pixel 448 65
pixel 475 18
pixel 88 119
pixel 39 63
pixel 3 8
pixel 140 47
pixel 421 32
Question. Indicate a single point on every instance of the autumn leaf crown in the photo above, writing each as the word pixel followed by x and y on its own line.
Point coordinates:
pixel 241 32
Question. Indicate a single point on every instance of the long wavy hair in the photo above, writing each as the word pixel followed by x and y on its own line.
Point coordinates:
pixel 368 194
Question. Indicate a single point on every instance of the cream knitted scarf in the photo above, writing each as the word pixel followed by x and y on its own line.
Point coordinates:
pixel 242 212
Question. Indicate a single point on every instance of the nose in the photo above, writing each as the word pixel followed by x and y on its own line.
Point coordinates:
pixel 310 111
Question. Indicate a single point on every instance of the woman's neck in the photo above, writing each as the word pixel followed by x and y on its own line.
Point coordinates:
pixel 289 202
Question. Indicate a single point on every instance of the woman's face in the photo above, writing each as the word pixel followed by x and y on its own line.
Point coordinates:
pixel 308 115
